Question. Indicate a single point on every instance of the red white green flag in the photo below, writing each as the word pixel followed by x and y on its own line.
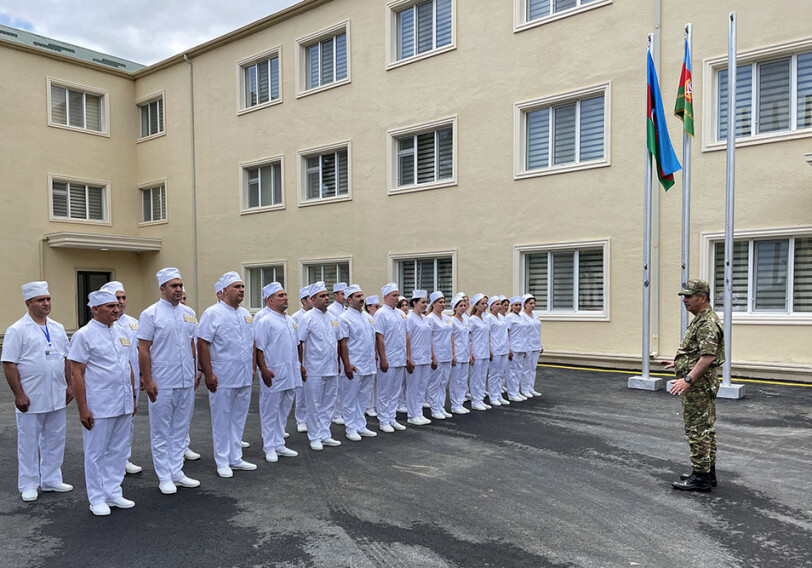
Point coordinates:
pixel 684 109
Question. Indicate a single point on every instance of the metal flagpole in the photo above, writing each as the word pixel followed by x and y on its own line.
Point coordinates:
pixel 686 197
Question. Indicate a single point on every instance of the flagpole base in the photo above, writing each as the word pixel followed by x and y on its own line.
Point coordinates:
pixel 646 383
pixel 732 391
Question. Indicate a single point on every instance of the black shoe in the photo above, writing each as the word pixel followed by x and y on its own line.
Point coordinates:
pixel 695 482
pixel 685 476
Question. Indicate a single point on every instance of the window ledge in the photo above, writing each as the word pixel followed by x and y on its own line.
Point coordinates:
pixel 526 25
pixel 254 210
pixel 759 139
pixel 572 316
pixel 77 129
pixel 561 169
pixel 151 223
pixel 421 56
pixel 322 88
pixel 770 319
pixel 260 106
pixel 80 221
pixel 422 187
pixel 325 201
pixel 151 137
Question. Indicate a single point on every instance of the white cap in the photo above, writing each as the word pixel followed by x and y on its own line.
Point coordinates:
pixel 340 287
pixel 389 288
pixel 493 299
pixel 166 274
pixel 372 300
pixel 113 287
pixel 304 292
pixel 436 295
pixel 527 297
pixel 100 298
pixel 317 287
pixel 228 279
pixel 515 300
pixel 460 294
pixel 350 290
pixel 419 294
pixel 218 286
pixel 457 299
pixel 476 298
pixel 271 289
pixel 34 289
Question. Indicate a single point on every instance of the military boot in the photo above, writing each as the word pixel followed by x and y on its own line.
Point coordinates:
pixel 685 476
pixel 695 482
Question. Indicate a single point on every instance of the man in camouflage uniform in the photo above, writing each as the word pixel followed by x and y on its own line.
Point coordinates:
pixel 699 356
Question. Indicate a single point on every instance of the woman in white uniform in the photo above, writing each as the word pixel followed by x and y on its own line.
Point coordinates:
pixel 372 303
pixel 534 347
pixel 500 349
pixel 461 337
pixel 442 353
pixel 480 351
pixel 403 305
pixel 418 351
pixel 517 332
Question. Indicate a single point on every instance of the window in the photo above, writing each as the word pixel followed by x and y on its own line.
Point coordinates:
pixel 260 80
pixel 77 201
pixel 424 157
pixel 530 13
pixel 421 28
pixel 563 133
pixel 154 203
pixel 77 107
pixel 258 278
pixel 152 117
pixel 262 185
pixel 425 273
pixel 328 272
pixel 324 59
pixel 325 174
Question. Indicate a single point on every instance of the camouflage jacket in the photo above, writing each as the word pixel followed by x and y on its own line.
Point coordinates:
pixel 704 336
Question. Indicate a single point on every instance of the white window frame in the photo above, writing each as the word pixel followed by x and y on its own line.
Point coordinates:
pixel 104 113
pixel 243 181
pixel 521 23
pixel 519 253
pixel 706 259
pixel 710 92
pixel 108 217
pixel 274 52
pixel 392 9
pixel 305 263
pixel 520 111
pixel 147 186
pixel 394 258
pixel 140 103
pixel 248 266
pixel 393 154
pixel 302 158
pixel 301 59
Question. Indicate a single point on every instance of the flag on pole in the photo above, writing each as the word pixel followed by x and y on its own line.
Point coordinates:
pixel 684 108
pixel 657 139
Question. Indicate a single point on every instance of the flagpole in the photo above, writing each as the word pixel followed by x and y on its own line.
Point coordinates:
pixel 686 196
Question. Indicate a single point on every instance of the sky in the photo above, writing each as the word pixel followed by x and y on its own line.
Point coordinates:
pixel 143 31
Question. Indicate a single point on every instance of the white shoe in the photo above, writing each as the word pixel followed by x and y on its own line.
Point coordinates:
pixel 495 402
pixel 339 421
pixel 121 503
pixel 354 436
pixel 397 425
pixel 386 428
pixel 516 399
pixel 331 442
pixel 225 472
pixel 426 405
pixel 131 468
pixel 438 416
pixel 100 509
pixel 446 414
pixel 371 413
pixel 271 457
pixel 244 466
pixel 527 395
pixel 487 406
pixel 465 410
pixel 301 427
pixel 504 402
pixel 479 407
pixel 367 433
pixel 59 488
pixel 316 445
pixel 416 421
pixel 168 488
pixel 423 420
pixel 30 495
pixel 458 410
pixel 244 444
pixel 287 453
pixel 286 435
pixel 190 455
pixel 186 482
pixel 402 410
pixel 535 393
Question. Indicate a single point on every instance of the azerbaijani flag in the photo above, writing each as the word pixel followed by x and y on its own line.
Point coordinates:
pixel 657 140
pixel 684 108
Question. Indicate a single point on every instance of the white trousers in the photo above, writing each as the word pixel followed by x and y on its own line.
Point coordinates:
pixel 516 369
pixel 321 396
pixel 529 375
pixel 389 386
pixel 355 395
pixel 496 376
pixel 229 409
pixel 438 382
pixel 274 409
pixel 479 371
pixel 338 404
pixel 416 385
pixel 137 398
pixel 169 419
pixel 301 404
pixel 373 393
pixel 40 448
pixel 402 392
pixel 106 446
pixel 458 384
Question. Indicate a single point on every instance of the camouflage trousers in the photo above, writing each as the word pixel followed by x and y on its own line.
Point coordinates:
pixel 699 415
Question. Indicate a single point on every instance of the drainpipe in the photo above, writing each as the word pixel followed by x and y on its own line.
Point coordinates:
pixel 194 181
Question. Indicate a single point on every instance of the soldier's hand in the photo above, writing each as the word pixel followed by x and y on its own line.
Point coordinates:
pixel 667 364
pixel 22 402
pixel 267 377
pixel 211 382
pixel 86 418
pixel 679 386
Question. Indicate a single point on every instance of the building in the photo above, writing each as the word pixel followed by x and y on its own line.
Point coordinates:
pixel 494 147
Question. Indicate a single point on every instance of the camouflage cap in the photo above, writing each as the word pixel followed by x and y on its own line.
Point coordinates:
pixel 694 286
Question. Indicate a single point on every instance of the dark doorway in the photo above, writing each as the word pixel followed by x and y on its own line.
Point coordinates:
pixel 87 282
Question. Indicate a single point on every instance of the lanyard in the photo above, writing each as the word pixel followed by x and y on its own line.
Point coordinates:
pixel 44 330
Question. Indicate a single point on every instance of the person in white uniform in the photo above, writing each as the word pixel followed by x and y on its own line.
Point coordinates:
pixel 442 354
pixel 103 383
pixel 319 334
pixel 391 338
pixel 300 412
pixel 461 337
pixel 517 335
pixel 129 327
pixel 35 363
pixel 225 345
pixel 278 354
pixel 166 352
pixel 336 309
pixel 480 351
pixel 372 305
pixel 500 350
pixel 188 453
pixel 357 348
pixel 534 347
pixel 418 354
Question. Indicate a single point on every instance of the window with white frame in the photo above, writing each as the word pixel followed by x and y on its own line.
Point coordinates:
pixel 424 156
pixel 77 108
pixel 422 27
pixel 78 201
pixel 262 185
pixel 425 273
pixel 530 13
pixel 326 174
pixel 770 275
pixel 325 60
pixel 327 272
pixel 153 200
pixel 566 280
pixel 258 278
pixel 773 96
pixel 260 80
pixel 152 117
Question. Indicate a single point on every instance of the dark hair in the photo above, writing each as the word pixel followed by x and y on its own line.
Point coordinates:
pixel 400 302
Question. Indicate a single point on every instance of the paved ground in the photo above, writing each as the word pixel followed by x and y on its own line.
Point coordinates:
pixel 580 477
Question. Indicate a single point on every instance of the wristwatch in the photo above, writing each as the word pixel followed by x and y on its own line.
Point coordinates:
pixel 688 378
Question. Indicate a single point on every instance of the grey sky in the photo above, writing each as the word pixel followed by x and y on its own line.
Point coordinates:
pixel 144 31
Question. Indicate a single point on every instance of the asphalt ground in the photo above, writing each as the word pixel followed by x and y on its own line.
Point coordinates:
pixel 578 477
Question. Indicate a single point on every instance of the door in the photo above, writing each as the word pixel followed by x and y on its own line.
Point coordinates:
pixel 86 282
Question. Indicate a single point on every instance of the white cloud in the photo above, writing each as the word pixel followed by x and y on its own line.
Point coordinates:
pixel 144 31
